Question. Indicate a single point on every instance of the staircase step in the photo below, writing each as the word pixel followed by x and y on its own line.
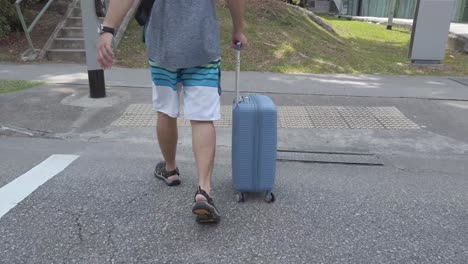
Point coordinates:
pixel 76 12
pixel 71 32
pixel 74 22
pixel 67 55
pixel 68 43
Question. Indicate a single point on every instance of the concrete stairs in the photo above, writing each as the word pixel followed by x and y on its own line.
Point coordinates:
pixel 68 44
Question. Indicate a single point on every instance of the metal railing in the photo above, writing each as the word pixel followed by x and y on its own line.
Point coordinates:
pixel 27 30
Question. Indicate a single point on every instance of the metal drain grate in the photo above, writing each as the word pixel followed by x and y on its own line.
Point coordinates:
pixel 364 159
pixel 338 117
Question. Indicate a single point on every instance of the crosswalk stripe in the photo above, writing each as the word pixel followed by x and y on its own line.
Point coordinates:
pixel 20 188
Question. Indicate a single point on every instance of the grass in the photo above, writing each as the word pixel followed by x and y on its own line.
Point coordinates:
pixel 131 51
pixel 373 49
pixel 284 40
pixel 14 86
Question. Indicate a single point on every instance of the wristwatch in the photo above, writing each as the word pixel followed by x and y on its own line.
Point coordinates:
pixel 104 29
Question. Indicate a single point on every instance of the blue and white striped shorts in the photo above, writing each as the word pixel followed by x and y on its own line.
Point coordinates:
pixel 201 87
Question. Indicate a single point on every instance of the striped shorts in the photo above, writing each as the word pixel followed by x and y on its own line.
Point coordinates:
pixel 201 88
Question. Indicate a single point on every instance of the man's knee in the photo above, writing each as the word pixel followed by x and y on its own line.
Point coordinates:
pixel 163 115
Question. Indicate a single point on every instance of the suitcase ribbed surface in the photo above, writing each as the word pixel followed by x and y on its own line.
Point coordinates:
pixel 254 142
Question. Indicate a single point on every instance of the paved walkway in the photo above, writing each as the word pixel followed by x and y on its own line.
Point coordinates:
pixel 310 84
pixel 367 194
pixel 459 29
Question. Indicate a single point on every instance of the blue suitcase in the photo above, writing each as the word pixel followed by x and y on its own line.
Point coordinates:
pixel 254 143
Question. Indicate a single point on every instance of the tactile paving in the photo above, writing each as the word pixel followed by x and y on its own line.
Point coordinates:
pixel 327 117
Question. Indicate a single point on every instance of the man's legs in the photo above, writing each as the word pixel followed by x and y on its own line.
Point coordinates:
pixel 204 148
pixel 204 145
pixel 167 137
pixel 166 103
pixel 202 107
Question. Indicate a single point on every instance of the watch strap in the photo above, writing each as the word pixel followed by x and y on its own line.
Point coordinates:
pixel 105 29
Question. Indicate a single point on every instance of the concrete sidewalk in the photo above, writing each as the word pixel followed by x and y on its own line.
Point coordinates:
pixel 445 88
pixel 304 102
pixel 338 123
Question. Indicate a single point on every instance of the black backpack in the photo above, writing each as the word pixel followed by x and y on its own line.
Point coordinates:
pixel 143 13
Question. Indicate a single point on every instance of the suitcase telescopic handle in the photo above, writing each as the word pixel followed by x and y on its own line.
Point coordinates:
pixel 238 53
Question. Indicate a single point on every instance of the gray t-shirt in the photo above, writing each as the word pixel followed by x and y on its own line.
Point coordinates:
pixel 183 33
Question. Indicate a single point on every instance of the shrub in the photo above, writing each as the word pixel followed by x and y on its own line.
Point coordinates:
pixel 8 19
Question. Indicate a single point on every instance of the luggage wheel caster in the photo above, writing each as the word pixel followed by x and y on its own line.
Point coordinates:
pixel 269 197
pixel 240 198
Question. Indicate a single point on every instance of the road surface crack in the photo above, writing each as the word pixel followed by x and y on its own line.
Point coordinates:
pixel 80 227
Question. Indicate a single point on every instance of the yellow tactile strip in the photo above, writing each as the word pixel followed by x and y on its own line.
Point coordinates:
pixel 338 117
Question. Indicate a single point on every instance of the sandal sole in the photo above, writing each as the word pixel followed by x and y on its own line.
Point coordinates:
pixel 205 213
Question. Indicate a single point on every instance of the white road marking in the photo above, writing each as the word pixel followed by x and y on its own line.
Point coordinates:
pixel 15 191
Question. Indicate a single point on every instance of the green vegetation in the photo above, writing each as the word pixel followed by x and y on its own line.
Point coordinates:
pixel 285 40
pixel 8 18
pixel 14 86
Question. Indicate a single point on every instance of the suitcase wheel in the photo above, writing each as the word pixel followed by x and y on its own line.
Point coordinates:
pixel 269 197
pixel 240 197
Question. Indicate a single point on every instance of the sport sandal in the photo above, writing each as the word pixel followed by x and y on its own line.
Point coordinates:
pixel 205 210
pixel 161 173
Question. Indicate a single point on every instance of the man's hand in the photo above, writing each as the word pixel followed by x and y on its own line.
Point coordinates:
pixel 115 14
pixel 239 37
pixel 105 53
